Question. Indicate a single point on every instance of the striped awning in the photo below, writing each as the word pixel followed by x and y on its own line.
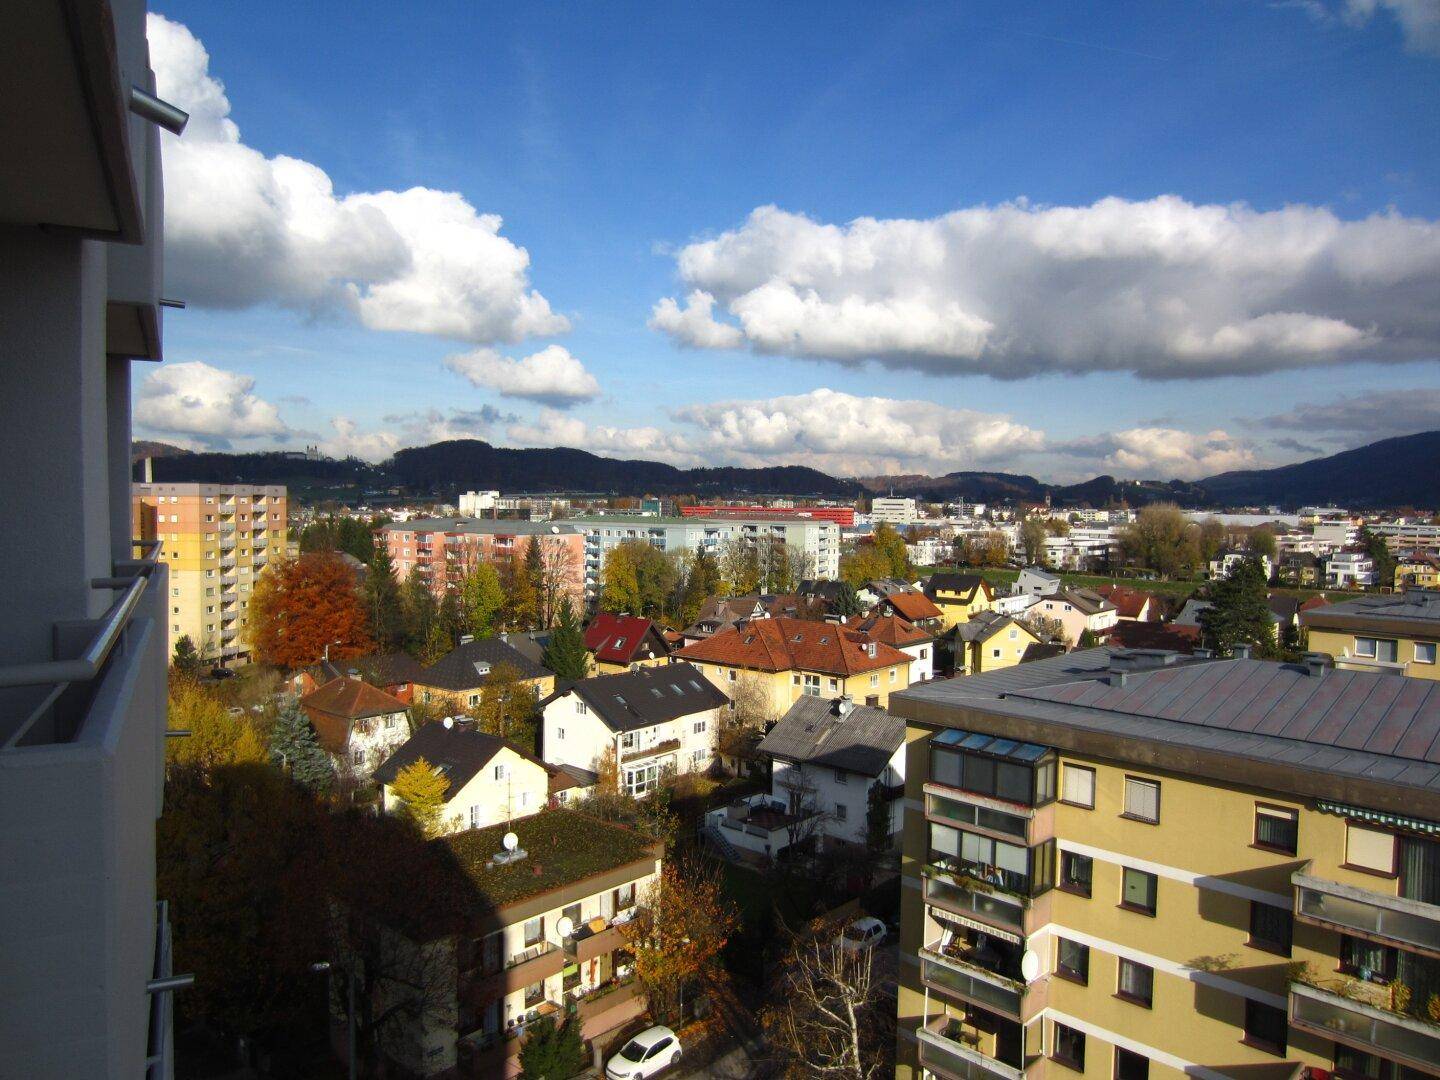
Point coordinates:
pixel 975 924
pixel 1379 817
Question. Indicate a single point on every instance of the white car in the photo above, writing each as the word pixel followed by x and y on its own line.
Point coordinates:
pixel 644 1055
pixel 862 934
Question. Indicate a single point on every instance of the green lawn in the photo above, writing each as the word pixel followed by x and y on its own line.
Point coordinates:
pixel 1180 590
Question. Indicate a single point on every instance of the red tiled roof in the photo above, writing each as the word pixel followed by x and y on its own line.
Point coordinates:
pixel 614 639
pixel 892 630
pixel 1152 635
pixel 786 644
pixel 1128 602
pixel 339 703
pixel 913 606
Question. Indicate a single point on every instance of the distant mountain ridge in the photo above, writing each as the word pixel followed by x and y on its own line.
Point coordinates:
pixel 1403 471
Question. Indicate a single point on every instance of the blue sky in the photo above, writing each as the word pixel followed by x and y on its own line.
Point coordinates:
pixel 612 139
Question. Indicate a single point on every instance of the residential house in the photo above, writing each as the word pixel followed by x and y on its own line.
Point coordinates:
pixel 1077 610
pixel 1131 603
pixel 358 725
pixel 393 672
pixel 1225 563
pixel 1350 570
pixel 456 681
pixel 990 641
pixel 490 780
pixel 1397 632
pixel 537 933
pixel 653 720
pixel 827 755
pixel 1173 637
pixel 1015 605
pixel 914 641
pixel 618 642
pixel 914 607
pixel 1138 866
pixel 1297 568
pixel 958 596
pixel 821 593
pixel 721 612
pixel 876 589
pixel 788 658
pixel 1417 570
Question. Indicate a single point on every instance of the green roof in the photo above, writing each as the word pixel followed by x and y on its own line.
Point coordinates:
pixel 562 846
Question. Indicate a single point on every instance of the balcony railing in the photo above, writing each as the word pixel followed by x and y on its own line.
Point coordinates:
pixel 942 1052
pixel 227 526
pixel 1397 1037
pixel 967 897
pixel 523 969
pixel 1410 924
pixel 667 746
pixel 964 972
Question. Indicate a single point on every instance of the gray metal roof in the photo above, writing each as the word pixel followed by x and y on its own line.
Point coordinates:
pixel 496 526
pixel 1413 605
pixel 1363 725
pixel 815 733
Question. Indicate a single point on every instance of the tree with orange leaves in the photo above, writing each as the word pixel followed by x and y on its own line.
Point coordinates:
pixel 303 605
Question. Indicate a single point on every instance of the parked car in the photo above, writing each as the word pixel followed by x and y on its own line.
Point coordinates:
pixel 645 1055
pixel 864 933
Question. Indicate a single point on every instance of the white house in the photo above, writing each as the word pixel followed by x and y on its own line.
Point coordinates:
pixel 1349 570
pixel 359 725
pixel 654 719
pixel 1077 610
pixel 827 755
pixel 1015 606
pixel 1225 563
pixel 491 780
pixel 915 641
pixel 1033 581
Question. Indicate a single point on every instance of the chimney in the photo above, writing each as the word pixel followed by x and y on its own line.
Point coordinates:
pixel 1241 650
pixel 1201 653
pixel 1316 663
pixel 1122 663
pixel 844 706
pixel 354 673
pixel 467 639
pixel 148 464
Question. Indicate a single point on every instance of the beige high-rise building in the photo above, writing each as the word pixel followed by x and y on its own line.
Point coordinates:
pixel 216 538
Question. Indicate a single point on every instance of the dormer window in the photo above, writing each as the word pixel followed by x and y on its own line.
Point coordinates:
pixel 619 642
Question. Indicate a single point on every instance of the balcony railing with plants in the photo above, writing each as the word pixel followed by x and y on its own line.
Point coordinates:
pixel 1389 1019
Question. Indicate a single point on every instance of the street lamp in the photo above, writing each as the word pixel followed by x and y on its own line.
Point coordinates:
pixel 325 966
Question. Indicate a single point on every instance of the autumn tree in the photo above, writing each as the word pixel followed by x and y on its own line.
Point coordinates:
pixel 1032 538
pixel 216 738
pixel 638 579
pixel 865 563
pixel 507 706
pixel 437 644
pixel 481 600
pixel 833 1009
pixel 1161 539
pixel 518 612
pixel 556 576
pixel 891 546
pixel 702 581
pixel 1209 539
pixel 679 929
pixel 739 567
pixel 419 789
pixel 1261 541
pixel 302 607
pixel 565 652
pixel 381 597
pixel 419 612
pixel 296 749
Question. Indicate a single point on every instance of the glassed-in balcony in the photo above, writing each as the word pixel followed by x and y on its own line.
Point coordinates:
pixel 976 967
pixel 1410 924
pixel 964 895
pixel 1395 1036
pixel 949 1049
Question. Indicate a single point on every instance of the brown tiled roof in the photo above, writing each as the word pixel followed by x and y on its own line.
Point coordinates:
pixel 334 707
pixel 1152 635
pixel 892 630
pixel 913 606
pixel 788 644
pixel 1129 602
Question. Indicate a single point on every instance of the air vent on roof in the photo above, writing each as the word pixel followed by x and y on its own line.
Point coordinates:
pixel 467 639
pixel 1241 650
pixel 482 667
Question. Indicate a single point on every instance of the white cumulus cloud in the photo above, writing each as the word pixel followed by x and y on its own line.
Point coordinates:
pixel 1164 453
pixel 244 229
pixel 1163 288
pixel 551 376
pixel 555 428
pixel 205 406
pixel 347 440
pixel 1419 20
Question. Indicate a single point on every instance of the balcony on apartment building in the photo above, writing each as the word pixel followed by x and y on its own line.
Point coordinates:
pixel 227 542
pixel 978 967
pixel 1385 998
pixel 974 1047
pixel 227 526
pixel 82 742
pixel 526 968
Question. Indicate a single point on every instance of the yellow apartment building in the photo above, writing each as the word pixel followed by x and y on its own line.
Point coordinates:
pixel 1417 571
pixel 958 596
pixel 216 538
pixel 1393 633
pixel 791 658
pixel 1135 866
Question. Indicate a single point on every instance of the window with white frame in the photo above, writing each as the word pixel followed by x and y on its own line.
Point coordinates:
pixel 812 685
pixel 1382 649
pixel 875 679
pixel 581 708
pixel 698 727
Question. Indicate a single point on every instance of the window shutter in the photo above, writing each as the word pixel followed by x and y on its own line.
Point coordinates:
pixel 1372 849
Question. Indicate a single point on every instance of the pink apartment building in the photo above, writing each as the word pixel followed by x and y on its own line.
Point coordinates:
pixel 445 549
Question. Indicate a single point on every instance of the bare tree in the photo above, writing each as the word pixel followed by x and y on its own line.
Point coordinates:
pixel 807 816
pixel 559 577
pixel 834 1010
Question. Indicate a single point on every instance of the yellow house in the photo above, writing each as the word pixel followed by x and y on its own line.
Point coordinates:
pixel 617 643
pixel 958 596
pixel 458 678
pixel 790 658
pixel 1417 571
pixel 989 642
pixel 1396 633
pixel 1112 873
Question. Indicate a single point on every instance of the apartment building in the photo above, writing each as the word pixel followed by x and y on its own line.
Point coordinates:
pixel 84 943
pixel 540 937
pixel 444 550
pixel 894 511
pixel 1350 570
pixel 216 539
pixel 1399 633
pixel 818 540
pixel 1403 535
pixel 844 516
pixel 1136 865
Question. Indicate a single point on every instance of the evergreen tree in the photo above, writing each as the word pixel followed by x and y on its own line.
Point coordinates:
pixel 420 789
pixel 481 600
pixel 847 601
pixel 418 613
pixel 565 655
pixel 296 749
pixel 534 571
pixel 381 595
pixel 552 1052
pixel 1238 611
pixel 452 616
pixel 186 660
pixel 1381 556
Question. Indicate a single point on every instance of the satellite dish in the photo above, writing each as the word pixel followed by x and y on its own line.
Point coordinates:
pixel 449 722
pixel 565 927
pixel 1030 966
pixel 555 529
pixel 511 841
